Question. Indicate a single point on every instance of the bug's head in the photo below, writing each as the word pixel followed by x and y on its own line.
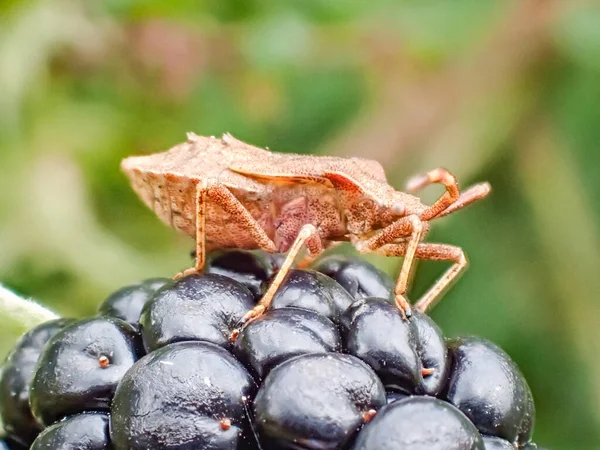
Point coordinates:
pixel 369 212
pixel 396 205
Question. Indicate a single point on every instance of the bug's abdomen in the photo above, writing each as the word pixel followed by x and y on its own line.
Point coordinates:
pixel 279 210
pixel 170 197
pixel 293 207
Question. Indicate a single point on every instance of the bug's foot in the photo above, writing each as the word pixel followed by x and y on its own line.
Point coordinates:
pixel 250 316
pixel 190 271
pixel 253 314
pixel 403 306
pixel 426 371
pixel 369 415
pixel 234 335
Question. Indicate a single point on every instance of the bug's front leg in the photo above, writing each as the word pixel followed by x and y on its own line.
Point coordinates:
pixel 435 252
pixel 411 227
pixel 436 176
pixel 308 236
pixel 452 199
pixel 214 192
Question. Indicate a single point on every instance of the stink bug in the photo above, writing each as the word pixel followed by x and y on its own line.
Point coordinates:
pixel 229 194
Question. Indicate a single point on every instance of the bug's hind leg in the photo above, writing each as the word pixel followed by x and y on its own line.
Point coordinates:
pixel 409 227
pixel 308 236
pixel 214 192
pixel 436 252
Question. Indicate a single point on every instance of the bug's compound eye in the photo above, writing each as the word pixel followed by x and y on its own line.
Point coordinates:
pixel 398 209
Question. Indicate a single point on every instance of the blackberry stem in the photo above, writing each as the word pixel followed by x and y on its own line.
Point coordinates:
pixel 26 312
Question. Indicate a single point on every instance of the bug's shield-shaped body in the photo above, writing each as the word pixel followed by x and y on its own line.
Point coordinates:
pixel 282 192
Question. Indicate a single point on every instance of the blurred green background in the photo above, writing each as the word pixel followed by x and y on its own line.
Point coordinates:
pixel 505 91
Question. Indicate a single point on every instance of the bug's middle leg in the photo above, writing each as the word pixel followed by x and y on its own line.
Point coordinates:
pixel 308 236
pixel 436 176
pixel 411 227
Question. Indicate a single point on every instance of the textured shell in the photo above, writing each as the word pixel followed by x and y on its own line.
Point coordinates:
pixel 262 181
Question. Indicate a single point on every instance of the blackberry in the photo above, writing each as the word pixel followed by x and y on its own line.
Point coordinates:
pixel 419 423
pixel 408 355
pixel 357 276
pixel 202 307
pixel 332 365
pixel 283 333
pixel 393 396
pixel 374 331
pixel 250 268
pixel 432 351
pixel 80 432
pixel 489 388
pixel 183 395
pixel 313 290
pixel 17 372
pixel 127 303
pixel 80 367
pixel 496 443
pixel 316 401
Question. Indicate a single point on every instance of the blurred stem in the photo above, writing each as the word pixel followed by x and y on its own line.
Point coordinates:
pixel 568 237
pixel 26 312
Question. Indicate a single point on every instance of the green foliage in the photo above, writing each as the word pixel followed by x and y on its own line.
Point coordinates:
pixel 503 91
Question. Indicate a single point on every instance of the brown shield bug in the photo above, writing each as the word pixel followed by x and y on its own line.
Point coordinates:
pixel 228 194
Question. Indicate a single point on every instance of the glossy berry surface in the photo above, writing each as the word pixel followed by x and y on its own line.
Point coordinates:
pixel 80 432
pixel 328 366
pixel 314 291
pixel 419 423
pixel 184 395
pixel 357 276
pixel 391 396
pixel 316 401
pixel 200 307
pixel 127 303
pixel 283 333
pixel 80 367
pixel 249 268
pixel 374 331
pixel 489 388
pixel 17 372
pixel 496 443
pixel 432 351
